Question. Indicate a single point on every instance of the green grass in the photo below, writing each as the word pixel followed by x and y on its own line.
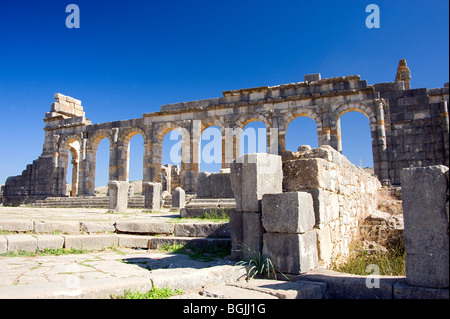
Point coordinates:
pixel 45 252
pixel 390 263
pixel 154 293
pixel 214 216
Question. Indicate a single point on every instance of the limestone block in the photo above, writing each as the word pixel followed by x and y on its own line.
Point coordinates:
pixel 178 198
pixel 324 245
pixel 21 242
pixel 90 242
pixel 220 184
pixel 326 206
pixel 424 198
pixel 252 234
pixel 291 253
pixel 50 242
pixel 237 235
pixel 254 175
pixel 203 185
pixel 152 195
pixel 49 227
pixel 134 241
pixel 118 196
pixel 142 227
pixel 302 174
pixel 214 230
pixel 3 245
pixel 291 213
pixel 16 225
pixel 97 227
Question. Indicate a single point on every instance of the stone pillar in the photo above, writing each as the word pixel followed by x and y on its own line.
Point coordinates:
pixel 152 196
pixel 178 198
pixel 425 211
pixel 118 196
pixel 290 240
pixel 252 176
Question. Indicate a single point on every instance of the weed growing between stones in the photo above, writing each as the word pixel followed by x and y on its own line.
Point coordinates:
pixel 259 265
pixel 154 293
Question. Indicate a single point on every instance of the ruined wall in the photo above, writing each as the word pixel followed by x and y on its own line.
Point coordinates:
pixel 343 195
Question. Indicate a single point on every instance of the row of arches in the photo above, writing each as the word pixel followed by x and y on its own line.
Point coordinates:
pixel 302 129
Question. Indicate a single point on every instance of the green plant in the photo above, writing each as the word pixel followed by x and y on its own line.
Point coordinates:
pixel 390 262
pixel 258 265
pixel 154 293
pixel 207 253
pixel 45 252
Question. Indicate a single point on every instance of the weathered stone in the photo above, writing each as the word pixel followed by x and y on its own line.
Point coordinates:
pixel 118 196
pixel 291 253
pixel 21 242
pixel 50 242
pixel 303 174
pixel 203 185
pixel 133 241
pixel 326 206
pixel 90 242
pixel 237 235
pixel 3 245
pixel 424 195
pixel 254 175
pixel 212 230
pixel 252 234
pixel 16 225
pixel 142 227
pixel 404 291
pixel 324 245
pixel 288 212
pixel 97 227
pixel 50 227
pixel 178 198
pixel 152 195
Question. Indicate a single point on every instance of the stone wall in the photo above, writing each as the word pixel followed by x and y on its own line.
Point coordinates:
pixel 311 218
pixel 343 195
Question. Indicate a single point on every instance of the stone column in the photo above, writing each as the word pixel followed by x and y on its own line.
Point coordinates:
pixel 152 196
pixel 118 196
pixel 252 176
pixel 425 211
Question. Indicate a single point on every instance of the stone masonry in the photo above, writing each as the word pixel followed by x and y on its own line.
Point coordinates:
pixel 409 127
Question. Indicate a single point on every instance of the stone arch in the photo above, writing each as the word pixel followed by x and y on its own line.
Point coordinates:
pixel 96 137
pixel 123 150
pixel 363 108
pixel 208 122
pixel 252 117
pixel 291 115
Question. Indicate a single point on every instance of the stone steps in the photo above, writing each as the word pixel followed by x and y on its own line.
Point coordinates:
pixel 136 201
pixel 32 243
pixel 197 207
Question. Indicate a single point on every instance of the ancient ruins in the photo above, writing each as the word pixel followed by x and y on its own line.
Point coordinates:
pixel 409 128
pixel 301 209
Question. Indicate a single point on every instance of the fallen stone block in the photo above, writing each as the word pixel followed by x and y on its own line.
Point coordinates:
pixel 144 227
pixel 90 242
pixel 291 213
pixel 50 227
pixel 118 196
pixel 21 242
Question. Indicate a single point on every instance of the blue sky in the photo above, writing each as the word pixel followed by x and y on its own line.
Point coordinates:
pixel 130 57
